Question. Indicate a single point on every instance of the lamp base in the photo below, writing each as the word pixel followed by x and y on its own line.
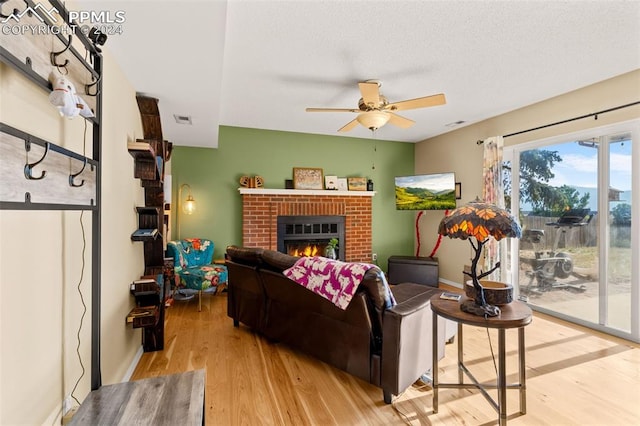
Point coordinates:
pixel 469 306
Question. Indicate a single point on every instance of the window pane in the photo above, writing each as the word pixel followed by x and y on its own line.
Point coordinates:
pixel 559 248
pixel 619 264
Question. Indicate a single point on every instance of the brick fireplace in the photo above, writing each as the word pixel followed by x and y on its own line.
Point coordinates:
pixel 261 208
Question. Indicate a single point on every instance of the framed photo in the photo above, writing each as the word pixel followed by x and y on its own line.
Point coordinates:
pixel 331 182
pixel 307 178
pixel 342 184
pixel 357 183
pixel 458 190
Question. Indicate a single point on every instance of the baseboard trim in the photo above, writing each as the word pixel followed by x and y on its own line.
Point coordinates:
pixel 134 364
pixel 451 283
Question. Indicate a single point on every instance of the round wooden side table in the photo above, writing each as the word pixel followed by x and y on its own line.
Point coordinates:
pixel 514 315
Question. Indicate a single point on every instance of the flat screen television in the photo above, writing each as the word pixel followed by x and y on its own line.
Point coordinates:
pixel 426 192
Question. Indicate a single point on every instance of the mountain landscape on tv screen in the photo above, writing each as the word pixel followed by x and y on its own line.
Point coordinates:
pixel 408 198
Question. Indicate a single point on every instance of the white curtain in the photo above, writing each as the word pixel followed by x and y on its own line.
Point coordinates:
pixel 493 193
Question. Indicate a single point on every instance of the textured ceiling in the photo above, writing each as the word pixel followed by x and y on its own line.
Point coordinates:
pixel 259 64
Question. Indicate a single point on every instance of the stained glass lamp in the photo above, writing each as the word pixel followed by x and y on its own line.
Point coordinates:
pixel 479 220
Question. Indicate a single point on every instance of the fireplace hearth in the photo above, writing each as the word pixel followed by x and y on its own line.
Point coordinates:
pixel 309 235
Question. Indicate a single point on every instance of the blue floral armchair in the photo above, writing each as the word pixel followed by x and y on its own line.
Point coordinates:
pixel 192 260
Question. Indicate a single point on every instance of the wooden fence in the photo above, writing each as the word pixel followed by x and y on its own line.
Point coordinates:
pixel 577 236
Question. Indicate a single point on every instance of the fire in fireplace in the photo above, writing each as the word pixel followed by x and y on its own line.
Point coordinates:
pixel 308 248
pixel 309 235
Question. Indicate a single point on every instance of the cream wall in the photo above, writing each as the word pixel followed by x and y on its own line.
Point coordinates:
pixel 458 152
pixel 41 259
pixel 122 259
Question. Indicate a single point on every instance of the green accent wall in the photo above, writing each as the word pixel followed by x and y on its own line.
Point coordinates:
pixel 214 174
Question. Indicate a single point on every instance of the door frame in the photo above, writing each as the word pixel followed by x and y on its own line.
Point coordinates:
pixel 510 153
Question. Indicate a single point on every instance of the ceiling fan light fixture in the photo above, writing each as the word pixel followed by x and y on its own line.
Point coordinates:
pixel 373 120
pixel 374 110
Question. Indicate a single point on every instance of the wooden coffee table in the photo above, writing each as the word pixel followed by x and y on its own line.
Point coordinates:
pixel 177 399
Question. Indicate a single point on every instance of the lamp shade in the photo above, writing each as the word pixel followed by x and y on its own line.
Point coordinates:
pixel 373 120
pixel 189 206
pixel 479 220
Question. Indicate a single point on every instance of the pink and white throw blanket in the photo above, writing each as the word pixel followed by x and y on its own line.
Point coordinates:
pixel 334 280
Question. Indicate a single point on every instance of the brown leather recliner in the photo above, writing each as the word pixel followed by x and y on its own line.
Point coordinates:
pixel 388 347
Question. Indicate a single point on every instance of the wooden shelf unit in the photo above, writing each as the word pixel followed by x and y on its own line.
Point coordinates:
pixel 150 156
pixel 147 162
pixel 144 316
pixel 149 312
pixel 149 218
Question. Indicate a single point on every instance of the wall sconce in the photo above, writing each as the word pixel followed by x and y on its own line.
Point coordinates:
pixel 188 206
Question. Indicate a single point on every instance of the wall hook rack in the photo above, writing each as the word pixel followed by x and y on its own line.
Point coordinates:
pixel 54 56
pixel 87 87
pixel 73 176
pixel 55 194
pixel 28 168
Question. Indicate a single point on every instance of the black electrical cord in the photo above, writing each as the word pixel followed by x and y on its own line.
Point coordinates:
pixel 84 310
pixel 493 356
pixel 84 305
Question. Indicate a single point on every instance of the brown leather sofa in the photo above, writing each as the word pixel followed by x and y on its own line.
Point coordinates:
pixel 388 347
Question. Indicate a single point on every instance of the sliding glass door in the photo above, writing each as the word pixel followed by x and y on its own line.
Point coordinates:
pixel 574 196
pixel 617 291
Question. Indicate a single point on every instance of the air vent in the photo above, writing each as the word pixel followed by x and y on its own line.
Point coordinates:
pixel 455 123
pixel 182 119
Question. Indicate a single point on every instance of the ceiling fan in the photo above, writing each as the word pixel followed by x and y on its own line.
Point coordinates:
pixel 374 111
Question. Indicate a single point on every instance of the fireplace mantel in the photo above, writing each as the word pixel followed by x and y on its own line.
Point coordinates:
pixel 323 192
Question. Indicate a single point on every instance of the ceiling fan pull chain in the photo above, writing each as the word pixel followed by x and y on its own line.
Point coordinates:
pixel 375 149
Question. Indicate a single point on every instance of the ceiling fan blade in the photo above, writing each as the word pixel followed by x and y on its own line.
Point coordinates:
pixel 370 93
pixel 400 121
pixel 350 125
pixel 332 110
pixel 427 101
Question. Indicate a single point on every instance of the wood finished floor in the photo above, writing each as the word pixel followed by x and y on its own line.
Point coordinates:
pixel 574 377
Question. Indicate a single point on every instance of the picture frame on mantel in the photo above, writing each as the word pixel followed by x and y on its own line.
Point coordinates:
pixel 357 183
pixel 308 178
pixel 331 182
pixel 342 184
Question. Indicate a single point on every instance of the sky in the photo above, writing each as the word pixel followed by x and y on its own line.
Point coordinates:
pixel 580 164
pixel 436 182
